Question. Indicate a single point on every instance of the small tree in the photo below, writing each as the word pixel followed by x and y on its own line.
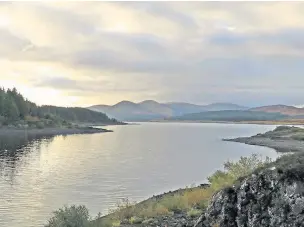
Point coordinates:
pixel 73 216
pixel 234 170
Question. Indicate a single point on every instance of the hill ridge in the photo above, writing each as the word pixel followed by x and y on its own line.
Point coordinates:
pixel 152 110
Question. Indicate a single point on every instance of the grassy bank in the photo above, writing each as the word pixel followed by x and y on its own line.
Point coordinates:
pixel 190 202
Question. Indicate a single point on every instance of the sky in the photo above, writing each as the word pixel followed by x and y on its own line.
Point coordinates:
pixel 86 53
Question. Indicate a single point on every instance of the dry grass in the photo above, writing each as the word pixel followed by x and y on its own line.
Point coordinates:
pixel 194 213
pixel 191 200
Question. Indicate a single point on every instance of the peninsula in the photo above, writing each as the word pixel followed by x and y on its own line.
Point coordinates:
pixel 282 139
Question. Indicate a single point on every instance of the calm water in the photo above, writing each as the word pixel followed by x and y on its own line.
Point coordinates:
pixel 135 161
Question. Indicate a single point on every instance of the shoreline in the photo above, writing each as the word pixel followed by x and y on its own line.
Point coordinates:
pixel 50 131
pixel 233 122
pixel 283 139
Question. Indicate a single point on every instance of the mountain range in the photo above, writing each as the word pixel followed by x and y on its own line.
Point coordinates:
pixel 283 109
pixel 152 110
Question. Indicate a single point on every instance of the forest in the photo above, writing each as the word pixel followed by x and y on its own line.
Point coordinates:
pixel 16 110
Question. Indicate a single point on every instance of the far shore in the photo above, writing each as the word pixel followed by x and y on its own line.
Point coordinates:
pixel 286 122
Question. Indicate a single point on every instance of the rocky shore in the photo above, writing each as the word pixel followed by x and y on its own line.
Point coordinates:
pixel 270 197
pixel 282 139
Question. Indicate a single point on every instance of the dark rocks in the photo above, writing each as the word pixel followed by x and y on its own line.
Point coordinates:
pixel 175 220
pixel 268 198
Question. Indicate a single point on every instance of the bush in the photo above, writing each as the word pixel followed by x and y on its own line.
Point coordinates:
pixel 135 220
pixel 116 223
pixel 234 170
pixel 73 216
pixel 124 210
pixel 245 165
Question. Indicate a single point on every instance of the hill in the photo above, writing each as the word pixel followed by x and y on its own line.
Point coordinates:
pixel 231 115
pixel 16 110
pixel 283 109
pixel 152 110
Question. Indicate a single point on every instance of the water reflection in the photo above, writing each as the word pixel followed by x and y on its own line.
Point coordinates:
pixel 13 149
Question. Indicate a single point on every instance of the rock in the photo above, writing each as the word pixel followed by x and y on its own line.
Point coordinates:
pixel 125 221
pixel 272 197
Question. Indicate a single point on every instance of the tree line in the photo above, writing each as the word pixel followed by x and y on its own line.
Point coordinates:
pixel 14 107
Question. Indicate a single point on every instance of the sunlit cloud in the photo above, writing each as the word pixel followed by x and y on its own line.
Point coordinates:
pixel 83 53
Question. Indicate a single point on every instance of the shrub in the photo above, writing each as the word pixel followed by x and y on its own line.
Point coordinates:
pixel 245 165
pixel 220 179
pixel 234 170
pixel 73 216
pixel 116 223
pixel 124 210
pixel 136 220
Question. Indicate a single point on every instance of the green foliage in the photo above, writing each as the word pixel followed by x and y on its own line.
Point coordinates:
pixel 136 220
pixel 220 179
pixel 14 107
pixel 124 209
pixel 116 223
pixel 75 114
pixel 73 216
pixel 234 170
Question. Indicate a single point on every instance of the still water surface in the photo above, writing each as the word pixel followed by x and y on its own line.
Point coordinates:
pixel 135 161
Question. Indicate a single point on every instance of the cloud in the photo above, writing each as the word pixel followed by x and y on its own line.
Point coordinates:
pixel 201 52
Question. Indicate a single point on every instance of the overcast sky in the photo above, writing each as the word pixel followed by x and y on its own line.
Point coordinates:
pixel 85 53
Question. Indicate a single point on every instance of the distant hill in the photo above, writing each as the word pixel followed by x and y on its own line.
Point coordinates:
pixel 283 109
pixel 231 115
pixel 152 110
